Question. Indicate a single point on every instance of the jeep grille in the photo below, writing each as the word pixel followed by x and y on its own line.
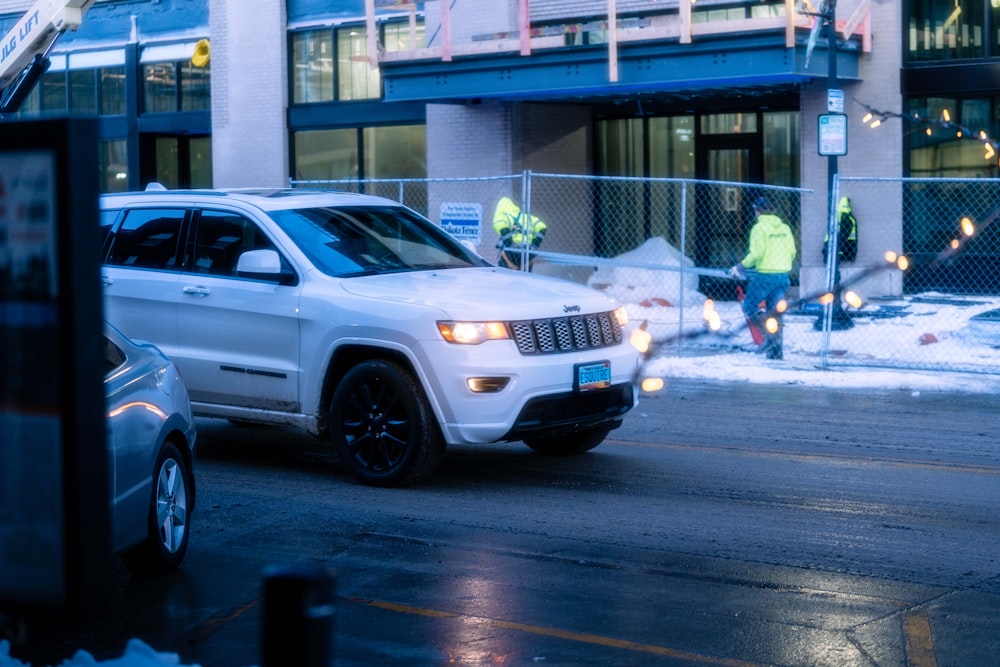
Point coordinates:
pixel 566 334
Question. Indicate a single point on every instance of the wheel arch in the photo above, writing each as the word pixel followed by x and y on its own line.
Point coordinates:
pixel 350 355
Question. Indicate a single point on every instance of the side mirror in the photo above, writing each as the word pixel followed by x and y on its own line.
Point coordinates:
pixel 262 265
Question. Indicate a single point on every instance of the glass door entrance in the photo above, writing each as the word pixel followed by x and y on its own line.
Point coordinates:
pixel 723 215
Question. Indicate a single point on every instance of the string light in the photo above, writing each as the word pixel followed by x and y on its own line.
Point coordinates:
pixel 874 118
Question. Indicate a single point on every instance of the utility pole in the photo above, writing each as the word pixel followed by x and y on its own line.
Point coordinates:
pixel 840 319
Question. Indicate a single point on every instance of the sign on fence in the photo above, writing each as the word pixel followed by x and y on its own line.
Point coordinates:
pixel 462 220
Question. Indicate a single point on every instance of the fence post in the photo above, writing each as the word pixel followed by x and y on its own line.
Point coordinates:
pixel 831 251
pixel 683 255
pixel 525 215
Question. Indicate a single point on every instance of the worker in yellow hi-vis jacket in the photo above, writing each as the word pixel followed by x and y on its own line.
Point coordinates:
pixel 518 235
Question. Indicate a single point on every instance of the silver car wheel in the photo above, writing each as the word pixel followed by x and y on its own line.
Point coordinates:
pixel 171 505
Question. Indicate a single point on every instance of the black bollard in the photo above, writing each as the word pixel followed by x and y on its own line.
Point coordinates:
pixel 299 612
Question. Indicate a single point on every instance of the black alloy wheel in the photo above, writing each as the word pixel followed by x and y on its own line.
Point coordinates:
pixel 382 426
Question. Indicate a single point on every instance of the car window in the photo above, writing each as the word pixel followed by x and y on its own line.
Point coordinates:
pixel 148 239
pixel 107 221
pixel 219 240
pixel 360 240
pixel 114 357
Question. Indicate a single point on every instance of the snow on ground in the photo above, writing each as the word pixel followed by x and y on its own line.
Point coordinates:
pixel 926 341
pixel 881 351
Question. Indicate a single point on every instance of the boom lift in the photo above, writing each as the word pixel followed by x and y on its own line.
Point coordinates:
pixel 25 48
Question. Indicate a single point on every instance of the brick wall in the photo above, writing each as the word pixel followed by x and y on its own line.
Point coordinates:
pixel 249 93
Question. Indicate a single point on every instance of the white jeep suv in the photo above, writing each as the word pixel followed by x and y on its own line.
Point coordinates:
pixel 362 322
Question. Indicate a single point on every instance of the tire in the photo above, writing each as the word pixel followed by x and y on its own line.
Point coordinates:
pixel 169 515
pixel 569 444
pixel 382 427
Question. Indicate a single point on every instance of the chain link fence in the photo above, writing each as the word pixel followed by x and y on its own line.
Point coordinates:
pixel 662 248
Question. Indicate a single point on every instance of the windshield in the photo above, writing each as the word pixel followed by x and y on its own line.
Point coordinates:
pixel 346 241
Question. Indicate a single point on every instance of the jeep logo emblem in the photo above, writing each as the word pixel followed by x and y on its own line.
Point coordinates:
pixel 571 309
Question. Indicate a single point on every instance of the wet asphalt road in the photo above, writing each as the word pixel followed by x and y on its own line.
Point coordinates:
pixel 721 525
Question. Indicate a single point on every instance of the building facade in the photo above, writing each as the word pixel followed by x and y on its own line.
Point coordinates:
pixel 721 90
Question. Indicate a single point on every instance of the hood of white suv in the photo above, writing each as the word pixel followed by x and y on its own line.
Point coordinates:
pixel 481 293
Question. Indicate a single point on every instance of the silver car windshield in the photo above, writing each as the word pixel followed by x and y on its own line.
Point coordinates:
pixel 347 241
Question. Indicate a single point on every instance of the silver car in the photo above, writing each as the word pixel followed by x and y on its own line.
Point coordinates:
pixel 151 440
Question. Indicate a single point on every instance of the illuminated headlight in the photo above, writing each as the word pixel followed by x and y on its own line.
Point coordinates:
pixel 472 333
pixel 621 316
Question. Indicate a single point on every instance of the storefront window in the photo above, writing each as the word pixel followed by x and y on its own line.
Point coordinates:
pixel 325 154
pixel 200 165
pixel 671 147
pixel 312 66
pixel 114 166
pixel 356 78
pixel 398 151
pixel 939 30
pixel 781 148
pixel 620 147
pixel 729 123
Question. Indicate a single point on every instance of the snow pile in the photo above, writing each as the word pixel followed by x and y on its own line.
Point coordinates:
pixel 137 654
pixel 636 285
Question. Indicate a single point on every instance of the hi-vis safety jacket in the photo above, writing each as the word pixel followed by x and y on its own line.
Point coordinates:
pixel 772 246
pixel 847 232
pixel 511 225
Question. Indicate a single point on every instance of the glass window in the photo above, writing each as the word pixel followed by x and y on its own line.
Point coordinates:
pixel 148 239
pixel 938 151
pixel 200 149
pixel 168 162
pixel 82 91
pixel 114 166
pixel 312 66
pixel 105 224
pixel 195 87
pixel 671 147
pixel 729 123
pixel 112 95
pixel 620 147
pixel 52 92
pixel 325 154
pixel 220 240
pixel 781 148
pixel 939 30
pixel 159 87
pixel 396 36
pixel 364 240
pixel 356 79
pixel 398 151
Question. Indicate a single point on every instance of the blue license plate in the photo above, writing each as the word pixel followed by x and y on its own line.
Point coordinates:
pixel 592 376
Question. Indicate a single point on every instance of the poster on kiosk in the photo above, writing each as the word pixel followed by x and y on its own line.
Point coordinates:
pixel 54 533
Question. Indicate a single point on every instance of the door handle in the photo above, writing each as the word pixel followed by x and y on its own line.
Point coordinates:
pixel 197 290
pixel 106 282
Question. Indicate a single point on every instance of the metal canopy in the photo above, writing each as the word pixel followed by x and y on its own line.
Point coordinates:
pixel 744 65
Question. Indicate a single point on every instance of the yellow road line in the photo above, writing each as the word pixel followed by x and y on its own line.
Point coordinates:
pixel 919 643
pixel 599 640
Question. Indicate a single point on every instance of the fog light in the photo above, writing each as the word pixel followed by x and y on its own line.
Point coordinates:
pixel 487 385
